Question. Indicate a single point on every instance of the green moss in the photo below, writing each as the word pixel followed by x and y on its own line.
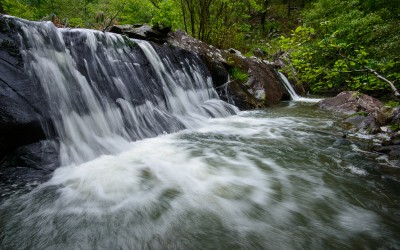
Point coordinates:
pixel 239 74
pixel 392 104
pixel 129 42
pixel 394 127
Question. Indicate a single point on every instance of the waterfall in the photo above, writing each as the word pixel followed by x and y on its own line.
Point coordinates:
pixel 293 95
pixel 105 90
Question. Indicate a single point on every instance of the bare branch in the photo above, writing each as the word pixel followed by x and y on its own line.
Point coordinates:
pixel 350 71
pixel 115 16
pixel 154 3
pixel 396 92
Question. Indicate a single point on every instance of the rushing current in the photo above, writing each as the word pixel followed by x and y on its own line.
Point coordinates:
pixel 152 159
pixel 105 90
pixel 281 178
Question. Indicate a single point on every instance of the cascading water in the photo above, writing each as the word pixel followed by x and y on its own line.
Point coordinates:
pixel 293 95
pixel 106 90
pixel 281 178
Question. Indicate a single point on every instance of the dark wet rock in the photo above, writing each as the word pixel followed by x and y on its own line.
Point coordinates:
pixel 41 155
pixel 263 81
pixel 363 122
pixel 218 71
pixel 392 150
pixel 143 32
pixel 350 102
pixel 368 115
pixel 28 165
pixel 234 92
pixel 23 110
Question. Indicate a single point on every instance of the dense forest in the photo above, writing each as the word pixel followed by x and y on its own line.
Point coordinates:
pixel 325 45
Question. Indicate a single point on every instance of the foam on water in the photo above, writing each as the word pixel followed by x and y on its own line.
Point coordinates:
pixel 242 181
pixel 105 90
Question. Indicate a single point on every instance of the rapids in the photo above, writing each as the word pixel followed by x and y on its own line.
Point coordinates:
pixel 281 178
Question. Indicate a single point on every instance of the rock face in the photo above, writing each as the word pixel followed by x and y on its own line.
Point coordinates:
pixel 24 114
pixel 366 113
pixel 263 87
pixel 142 32
pixel 350 102
pixel 369 115
pixel 23 110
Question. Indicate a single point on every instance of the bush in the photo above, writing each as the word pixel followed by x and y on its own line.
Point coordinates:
pixel 338 40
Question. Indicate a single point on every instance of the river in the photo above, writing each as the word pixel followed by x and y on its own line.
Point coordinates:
pixel 280 178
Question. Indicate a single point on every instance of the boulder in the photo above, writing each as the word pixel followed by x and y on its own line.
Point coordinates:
pixel 351 102
pixel 142 32
pixel 366 113
pixel 369 115
pixel 263 82
pixel 236 93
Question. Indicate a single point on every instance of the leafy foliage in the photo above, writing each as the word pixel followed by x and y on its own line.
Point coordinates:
pixel 329 41
pixel 239 74
pixel 18 8
pixel 339 40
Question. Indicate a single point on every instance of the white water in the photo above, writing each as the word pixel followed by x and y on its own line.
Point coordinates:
pixel 103 93
pixel 293 95
pixel 244 181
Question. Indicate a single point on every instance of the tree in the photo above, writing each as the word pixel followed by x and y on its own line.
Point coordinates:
pixel 1 8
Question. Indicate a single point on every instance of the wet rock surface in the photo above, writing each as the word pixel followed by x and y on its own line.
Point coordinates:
pixel 368 115
pixel 365 113
pixel 263 86
pixel 142 32
pixel 24 116
pixel 350 102
pixel 28 165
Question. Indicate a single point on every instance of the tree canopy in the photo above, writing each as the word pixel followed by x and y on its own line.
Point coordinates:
pixel 331 43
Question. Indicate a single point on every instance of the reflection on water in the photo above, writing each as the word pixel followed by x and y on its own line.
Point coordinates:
pixel 278 178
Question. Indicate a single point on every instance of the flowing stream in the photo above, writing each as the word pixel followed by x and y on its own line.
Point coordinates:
pixel 281 178
pixel 152 159
pixel 293 95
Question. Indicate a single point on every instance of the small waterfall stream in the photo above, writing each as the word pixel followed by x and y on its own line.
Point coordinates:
pixel 293 95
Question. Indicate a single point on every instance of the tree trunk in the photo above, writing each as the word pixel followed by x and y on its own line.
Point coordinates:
pixel 184 15
pixel 1 9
